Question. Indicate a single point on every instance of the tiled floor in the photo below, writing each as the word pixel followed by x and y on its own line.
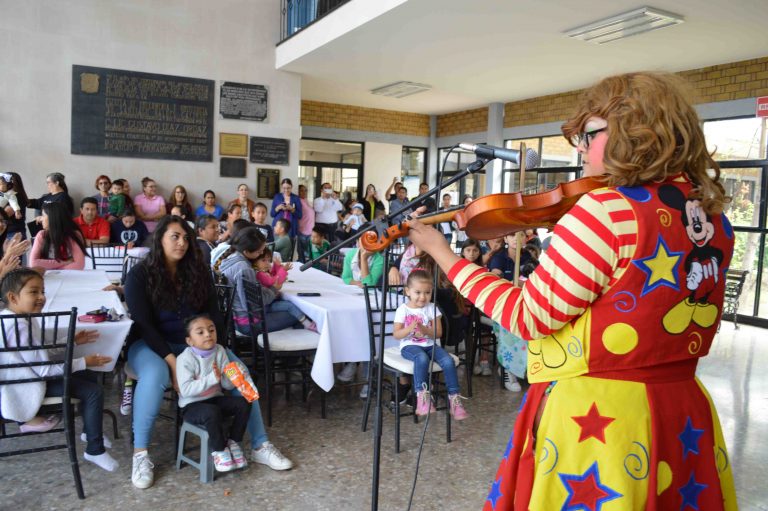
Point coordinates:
pixel 333 457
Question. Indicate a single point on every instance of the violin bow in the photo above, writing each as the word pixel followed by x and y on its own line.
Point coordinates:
pixel 519 234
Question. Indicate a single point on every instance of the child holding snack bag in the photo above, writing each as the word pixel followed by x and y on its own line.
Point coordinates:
pixel 201 381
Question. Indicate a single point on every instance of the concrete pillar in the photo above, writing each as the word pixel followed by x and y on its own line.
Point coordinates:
pixel 495 137
pixel 432 152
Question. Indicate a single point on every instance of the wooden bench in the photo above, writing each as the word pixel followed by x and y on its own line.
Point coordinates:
pixel 734 284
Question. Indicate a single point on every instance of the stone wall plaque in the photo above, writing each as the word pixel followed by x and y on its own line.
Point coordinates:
pixel 232 167
pixel 267 182
pixel 243 101
pixel 141 115
pixel 270 150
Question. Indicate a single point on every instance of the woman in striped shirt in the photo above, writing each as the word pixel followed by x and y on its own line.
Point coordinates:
pixel 624 302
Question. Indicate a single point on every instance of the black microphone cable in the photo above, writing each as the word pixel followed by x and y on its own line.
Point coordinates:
pixel 434 333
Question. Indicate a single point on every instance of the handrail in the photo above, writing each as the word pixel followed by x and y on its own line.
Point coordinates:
pixel 296 15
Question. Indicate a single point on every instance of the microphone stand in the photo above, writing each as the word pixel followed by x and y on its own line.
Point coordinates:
pixel 381 225
pixel 381 228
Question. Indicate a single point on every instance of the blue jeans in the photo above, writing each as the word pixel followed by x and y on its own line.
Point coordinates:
pixel 84 387
pixel 420 356
pixel 302 242
pixel 279 320
pixel 153 380
pixel 284 306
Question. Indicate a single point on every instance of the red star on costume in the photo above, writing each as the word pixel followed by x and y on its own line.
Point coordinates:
pixel 593 424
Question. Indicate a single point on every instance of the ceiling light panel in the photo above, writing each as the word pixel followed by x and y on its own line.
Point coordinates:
pixel 624 25
pixel 401 89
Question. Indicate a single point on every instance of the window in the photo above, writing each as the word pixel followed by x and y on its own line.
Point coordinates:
pixel 739 147
pixel 459 160
pixel 332 161
pixel 413 169
pixel 559 163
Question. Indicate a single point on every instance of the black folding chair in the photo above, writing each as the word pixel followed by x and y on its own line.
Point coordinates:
pixel 25 358
pixel 285 351
pixel 394 364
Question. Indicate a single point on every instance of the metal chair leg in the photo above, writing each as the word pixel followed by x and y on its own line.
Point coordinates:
pixel 69 431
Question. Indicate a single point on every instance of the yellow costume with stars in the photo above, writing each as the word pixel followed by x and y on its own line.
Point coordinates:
pixel 620 309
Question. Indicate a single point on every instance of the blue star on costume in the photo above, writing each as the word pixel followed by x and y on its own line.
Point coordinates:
pixel 661 269
pixel 636 193
pixel 690 493
pixel 690 438
pixel 585 491
pixel 495 494
pixel 510 444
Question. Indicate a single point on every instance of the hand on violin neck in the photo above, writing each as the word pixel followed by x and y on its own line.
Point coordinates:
pixel 431 241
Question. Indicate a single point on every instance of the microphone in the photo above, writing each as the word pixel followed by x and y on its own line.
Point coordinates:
pixel 532 159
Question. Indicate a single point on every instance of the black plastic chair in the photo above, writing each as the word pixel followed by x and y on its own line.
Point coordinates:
pixel 226 295
pixel 734 284
pixel 128 263
pixel 394 364
pixel 285 351
pixel 109 257
pixel 335 264
pixel 54 340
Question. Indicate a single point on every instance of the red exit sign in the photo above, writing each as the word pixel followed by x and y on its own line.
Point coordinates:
pixel 762 106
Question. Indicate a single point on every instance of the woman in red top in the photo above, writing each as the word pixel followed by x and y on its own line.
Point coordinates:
pixel 624 302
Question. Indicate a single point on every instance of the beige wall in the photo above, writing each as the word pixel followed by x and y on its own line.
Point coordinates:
pixel 226 40
pixel 382 163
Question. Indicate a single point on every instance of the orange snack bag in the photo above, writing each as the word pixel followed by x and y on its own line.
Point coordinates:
pixel 242 381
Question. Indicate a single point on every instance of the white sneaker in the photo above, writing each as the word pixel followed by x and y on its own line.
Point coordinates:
pixel 143 474
pixel 511 383
pixel 270 456
pixel 364 392
pixel 347 374
pixel 477 369
pixel 485 368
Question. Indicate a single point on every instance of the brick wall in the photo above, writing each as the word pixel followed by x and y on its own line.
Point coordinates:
pixel 737 80
pixel 724 82
pixel 467 121
pixel 347 117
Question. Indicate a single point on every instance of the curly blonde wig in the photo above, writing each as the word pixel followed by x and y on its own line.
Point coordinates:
pixel 654 133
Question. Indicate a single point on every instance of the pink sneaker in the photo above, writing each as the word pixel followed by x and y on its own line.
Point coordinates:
pixel 222 460
pixel 424 404
pixel 238 458
pixel 457 408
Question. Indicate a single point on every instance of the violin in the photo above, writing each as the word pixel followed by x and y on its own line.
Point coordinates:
pixel 497 215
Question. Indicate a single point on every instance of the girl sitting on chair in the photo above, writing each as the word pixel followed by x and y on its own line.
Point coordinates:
pixel 24 292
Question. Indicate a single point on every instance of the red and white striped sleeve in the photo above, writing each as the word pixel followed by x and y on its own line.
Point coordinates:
pixel 591 247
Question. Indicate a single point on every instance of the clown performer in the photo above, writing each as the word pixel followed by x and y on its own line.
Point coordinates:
pixel 615 417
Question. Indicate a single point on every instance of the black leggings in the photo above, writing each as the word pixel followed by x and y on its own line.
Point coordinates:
pixel 209 415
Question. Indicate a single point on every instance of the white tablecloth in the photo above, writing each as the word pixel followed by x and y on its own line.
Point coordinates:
pixel 341 319
pixel 65 289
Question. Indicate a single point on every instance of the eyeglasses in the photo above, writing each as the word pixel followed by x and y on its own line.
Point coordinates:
pixel 586 136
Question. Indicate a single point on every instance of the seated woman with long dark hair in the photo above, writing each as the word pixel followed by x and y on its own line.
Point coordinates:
pixel 171 284
pixel 60 245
